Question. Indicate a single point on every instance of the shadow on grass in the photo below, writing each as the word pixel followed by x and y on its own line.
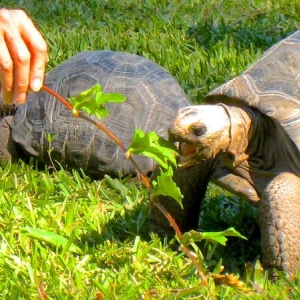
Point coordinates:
pixel 218 213
pixel 222 211
pixel 126 225
pixel 256 33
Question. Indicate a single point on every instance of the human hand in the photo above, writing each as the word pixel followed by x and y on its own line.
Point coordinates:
pixel 23 55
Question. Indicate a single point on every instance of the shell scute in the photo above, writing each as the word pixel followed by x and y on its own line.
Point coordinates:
pixel 271 85
pixel 153 97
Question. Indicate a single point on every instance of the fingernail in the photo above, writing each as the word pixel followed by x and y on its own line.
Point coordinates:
pixel 21 98
pixel 36 84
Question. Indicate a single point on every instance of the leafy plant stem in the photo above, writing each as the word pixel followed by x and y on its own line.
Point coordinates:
pixel 104 129
pixel 168 217
pixel 190 255
pixel 140 173
pixel 57 96
pixel 186 251
pixel 101 127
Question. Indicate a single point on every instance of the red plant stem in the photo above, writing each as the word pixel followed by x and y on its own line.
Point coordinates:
pixel 190 255
pixel 101 127
pixel 120 144
pixel 104 129
pixel 187 252
pixel 140 173
pixel 168 217
pixel 58 96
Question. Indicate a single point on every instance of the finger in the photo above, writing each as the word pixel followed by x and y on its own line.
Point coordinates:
pixel 6 97
pixel 37 67
pixel 21 58
pixel 22 69
pixel 6 73
pixel 38 50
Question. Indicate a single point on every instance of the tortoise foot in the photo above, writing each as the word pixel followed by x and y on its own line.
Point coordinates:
pixel 279 211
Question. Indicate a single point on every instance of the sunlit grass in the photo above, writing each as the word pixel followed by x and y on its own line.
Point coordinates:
pixel 203 44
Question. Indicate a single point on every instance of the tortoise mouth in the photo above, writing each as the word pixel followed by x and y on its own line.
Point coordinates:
pixel 189 155
pixel 190 152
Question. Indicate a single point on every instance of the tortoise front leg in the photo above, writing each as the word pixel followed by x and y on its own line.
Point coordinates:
pixel 193 183
pixel 279 218
pixel 235 184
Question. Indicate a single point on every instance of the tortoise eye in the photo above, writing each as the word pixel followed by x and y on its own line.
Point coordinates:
pixel 198 130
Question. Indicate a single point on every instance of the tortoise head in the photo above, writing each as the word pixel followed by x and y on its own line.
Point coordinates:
pixel 202 132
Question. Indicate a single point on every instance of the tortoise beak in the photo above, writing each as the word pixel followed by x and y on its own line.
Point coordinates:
pixel 189 152
pixel 189 155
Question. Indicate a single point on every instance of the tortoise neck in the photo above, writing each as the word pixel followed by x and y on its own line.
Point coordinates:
pixel 240 132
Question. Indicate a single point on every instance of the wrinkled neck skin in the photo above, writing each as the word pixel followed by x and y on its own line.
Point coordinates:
pixel 259 148
pixel 240 126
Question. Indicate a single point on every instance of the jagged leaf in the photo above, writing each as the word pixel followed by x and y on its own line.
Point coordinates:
pixel 219 237
pixel 93 101
pixel 164 185
pixel 153 146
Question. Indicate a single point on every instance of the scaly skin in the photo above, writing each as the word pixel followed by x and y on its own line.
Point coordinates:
pixel 252 156
pixel 279 211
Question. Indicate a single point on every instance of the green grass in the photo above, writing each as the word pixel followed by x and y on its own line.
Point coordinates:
pixel 203 44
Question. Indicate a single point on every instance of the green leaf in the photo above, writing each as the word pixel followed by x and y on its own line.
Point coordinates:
pixel 93 101
pixel 164 185
pixel 153 146
pixel 49 237
pixel 219 237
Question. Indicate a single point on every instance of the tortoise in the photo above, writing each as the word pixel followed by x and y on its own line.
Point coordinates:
pixel 245 137
pixel 153 97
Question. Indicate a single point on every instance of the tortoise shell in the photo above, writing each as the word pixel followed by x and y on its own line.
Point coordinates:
pixel 153 97
pixel 272 85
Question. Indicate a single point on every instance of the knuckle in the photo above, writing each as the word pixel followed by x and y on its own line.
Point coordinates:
pixel 4 14
pixel 23 57
pixel 6 65
pixel 8 14
pixel 21 13
pixel 22 84
pixel 42 47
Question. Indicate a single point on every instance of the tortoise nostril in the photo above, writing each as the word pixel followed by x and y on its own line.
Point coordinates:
pixel 199 130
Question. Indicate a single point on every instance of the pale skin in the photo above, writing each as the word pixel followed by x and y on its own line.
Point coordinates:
pixel 23 55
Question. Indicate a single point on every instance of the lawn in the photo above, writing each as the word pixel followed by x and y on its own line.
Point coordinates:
pixel 110 252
